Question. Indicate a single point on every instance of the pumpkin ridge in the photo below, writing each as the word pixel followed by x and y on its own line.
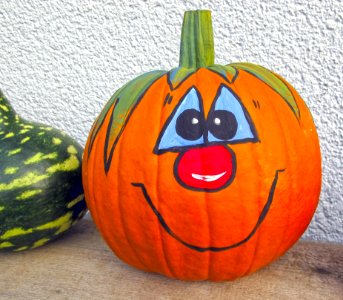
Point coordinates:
pixel 123 222
pixel 165 256
pixel 91 200
pixel 168 264
pixel 290 172
pixel 209 237
pixel 260 207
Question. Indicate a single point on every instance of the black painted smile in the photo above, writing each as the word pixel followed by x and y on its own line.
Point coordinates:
pixel 214 249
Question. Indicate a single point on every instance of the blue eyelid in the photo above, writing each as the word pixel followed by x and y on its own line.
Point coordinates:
pixel 227 100
pixel 169 140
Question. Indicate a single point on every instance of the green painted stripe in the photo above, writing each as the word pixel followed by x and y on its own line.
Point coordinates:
pixel 8 135
pixel 28 179
pixel 28 194
pixel 27 126
pixel 76 200
pixel 70 164
pixel 62 223
pixel 13 152
pixel 56 141
pixel 6 245
pixel 24 140
pixel 46 128
pixel 64 227
pixel 40 242
pixel 72 150
pixel 228 72
pixel 178 75
pixel 39 157
pixel 11 170
pixel 15 232
pixel 4 107
pixel 21 248
pixel 59 222
pixel 23 131
pixel 128 98
pixel 273 81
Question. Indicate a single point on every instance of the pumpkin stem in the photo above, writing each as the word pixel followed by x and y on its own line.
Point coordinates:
pixel 197 46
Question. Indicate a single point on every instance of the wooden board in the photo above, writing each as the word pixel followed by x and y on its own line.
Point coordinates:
pixel 80 266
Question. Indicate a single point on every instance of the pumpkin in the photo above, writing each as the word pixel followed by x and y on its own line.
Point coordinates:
pixel 41 192
pixel 204 172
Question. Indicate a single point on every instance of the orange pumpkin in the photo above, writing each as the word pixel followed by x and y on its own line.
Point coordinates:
pixel 205 172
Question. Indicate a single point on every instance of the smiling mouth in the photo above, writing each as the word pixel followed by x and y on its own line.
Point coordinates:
pixel 208 178
pixel 211 248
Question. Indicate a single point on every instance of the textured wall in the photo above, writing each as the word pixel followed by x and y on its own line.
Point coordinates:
pixel 61 60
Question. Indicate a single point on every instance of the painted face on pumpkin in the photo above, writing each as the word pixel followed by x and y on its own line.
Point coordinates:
pixel 205 162
pixel 200 133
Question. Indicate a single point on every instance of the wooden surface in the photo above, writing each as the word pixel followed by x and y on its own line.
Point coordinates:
pixel 80 266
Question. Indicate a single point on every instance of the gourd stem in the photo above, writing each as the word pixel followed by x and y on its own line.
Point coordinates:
pixel 197 46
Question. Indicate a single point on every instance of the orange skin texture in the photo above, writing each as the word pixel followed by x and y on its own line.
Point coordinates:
pixel 222 218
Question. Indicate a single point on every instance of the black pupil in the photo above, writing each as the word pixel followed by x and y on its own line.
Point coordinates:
pixel 190 125
pixel 222 124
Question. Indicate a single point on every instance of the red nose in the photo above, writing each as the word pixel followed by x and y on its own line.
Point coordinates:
pixel 208 168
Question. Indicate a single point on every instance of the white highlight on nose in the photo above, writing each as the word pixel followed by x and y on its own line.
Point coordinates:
pixel 208 178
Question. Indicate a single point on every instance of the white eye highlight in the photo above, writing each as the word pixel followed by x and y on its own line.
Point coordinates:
pixel 195 121
pixel 217 121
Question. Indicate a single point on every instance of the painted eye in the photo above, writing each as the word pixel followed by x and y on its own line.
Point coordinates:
pixel 228 120
pixel 222 124
pixel 190 125
pixel 185 126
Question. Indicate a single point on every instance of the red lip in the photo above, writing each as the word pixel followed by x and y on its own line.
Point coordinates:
pixel 207 168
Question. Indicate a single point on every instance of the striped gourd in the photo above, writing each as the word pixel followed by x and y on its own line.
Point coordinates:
pixel 41 193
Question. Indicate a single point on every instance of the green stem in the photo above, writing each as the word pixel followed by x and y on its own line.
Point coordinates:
pixel 197 46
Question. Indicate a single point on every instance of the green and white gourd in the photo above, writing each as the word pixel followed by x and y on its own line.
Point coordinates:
pixel 41 194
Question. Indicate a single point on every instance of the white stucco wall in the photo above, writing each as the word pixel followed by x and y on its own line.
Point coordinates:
pixel 61 60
